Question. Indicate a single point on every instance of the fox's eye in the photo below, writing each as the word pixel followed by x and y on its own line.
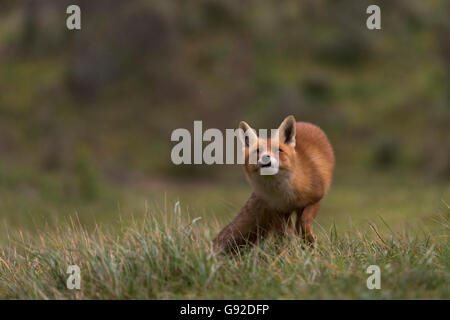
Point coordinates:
pixel 279 150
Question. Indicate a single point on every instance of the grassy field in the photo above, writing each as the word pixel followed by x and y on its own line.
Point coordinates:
pixel 150 244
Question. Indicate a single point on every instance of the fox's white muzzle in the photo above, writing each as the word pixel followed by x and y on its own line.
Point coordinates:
pixel 268 165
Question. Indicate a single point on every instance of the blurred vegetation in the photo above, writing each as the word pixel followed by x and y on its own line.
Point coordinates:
pixel 140 69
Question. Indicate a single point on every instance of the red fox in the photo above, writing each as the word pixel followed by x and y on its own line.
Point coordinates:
pixel 305 169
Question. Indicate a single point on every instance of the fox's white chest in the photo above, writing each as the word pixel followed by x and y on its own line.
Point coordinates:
pixel 276 190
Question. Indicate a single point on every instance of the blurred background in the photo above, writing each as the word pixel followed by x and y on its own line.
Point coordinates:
pixel 86 116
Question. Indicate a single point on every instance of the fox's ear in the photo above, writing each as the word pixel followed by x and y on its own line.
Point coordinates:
pixel 286 131
pixel 247 134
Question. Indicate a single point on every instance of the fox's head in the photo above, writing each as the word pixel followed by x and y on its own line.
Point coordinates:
pixel 271 154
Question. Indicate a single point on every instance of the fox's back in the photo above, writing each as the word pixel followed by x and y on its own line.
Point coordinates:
pixel 316 157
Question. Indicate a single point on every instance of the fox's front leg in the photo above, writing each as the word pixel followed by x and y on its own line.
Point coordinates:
pixel 242 230
pixel 305 218
pixel 249 226
pixel 282 224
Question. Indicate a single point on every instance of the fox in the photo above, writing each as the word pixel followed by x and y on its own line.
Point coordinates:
pixel 305 164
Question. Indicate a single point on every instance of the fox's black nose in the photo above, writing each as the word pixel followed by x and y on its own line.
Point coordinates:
pixel 265 161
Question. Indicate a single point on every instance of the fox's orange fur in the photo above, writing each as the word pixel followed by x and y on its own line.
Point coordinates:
pixel 306 164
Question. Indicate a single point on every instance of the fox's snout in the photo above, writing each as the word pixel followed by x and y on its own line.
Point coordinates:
pixel 268 165
pixel 266 161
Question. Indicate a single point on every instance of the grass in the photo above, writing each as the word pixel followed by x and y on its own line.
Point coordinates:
pixel 150 249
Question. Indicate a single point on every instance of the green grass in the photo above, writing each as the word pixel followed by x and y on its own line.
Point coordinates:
pixel 138 244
